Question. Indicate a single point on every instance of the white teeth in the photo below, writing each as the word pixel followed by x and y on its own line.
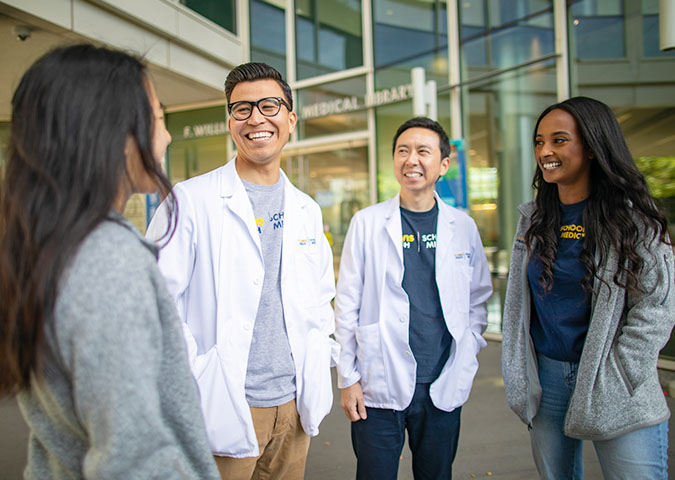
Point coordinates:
pixel 259 135
pixel 551 165
pixel 412 174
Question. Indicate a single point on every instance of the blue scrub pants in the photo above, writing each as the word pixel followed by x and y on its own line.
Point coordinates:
pixel 638 455
pixel 433 437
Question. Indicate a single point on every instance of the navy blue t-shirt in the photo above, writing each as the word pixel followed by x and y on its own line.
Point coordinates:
pixel 560 318
pixel 429 338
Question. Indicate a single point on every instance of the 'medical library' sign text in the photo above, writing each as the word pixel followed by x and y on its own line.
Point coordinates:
pixel 350 104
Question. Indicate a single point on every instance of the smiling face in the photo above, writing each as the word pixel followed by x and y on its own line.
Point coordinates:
pixel 260 139
pixel 562 157
pixel 418 164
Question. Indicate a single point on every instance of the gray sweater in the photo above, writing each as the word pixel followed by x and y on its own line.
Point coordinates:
pixel 117 400
pixel 617 388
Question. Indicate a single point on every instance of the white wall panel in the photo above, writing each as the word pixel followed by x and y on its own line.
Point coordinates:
pixel 54 11
pixel 185 62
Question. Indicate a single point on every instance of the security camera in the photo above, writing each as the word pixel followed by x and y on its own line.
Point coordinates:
pixel 22 32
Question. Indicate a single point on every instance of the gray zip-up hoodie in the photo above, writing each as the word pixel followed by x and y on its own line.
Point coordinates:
pixel 117 399
pixel 617 388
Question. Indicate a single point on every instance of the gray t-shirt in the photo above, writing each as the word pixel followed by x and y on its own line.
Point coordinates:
pixel 270 376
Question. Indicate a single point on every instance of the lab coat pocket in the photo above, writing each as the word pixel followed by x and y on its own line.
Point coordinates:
pixel 371 364
pixel 225 427
pixel 462 288
pixel 316 398
pixel 453 386
pixel 307 266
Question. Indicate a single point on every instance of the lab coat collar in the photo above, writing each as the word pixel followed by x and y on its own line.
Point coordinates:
pixel 231 184
pixel 445 229
pixel 393 225
pixel 233 188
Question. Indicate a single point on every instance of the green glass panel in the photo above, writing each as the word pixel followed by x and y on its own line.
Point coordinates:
pixel 220 12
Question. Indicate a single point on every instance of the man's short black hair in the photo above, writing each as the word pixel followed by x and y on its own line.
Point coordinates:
pixel 429 124
pixel 252 71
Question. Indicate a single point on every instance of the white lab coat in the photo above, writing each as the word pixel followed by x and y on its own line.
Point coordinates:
pixel 373 310
pixel 214 269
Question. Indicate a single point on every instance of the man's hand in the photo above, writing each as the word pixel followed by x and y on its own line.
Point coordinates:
pixel 351 401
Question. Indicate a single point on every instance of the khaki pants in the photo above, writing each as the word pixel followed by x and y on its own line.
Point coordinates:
pixel 283 447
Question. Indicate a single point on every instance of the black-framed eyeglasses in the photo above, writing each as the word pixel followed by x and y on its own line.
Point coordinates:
pixel 268 106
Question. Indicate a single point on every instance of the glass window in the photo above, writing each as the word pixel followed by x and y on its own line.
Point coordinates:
pixel 268 34
pixel 500 34
pixel 597 27
pixel 506 12
pixel 407 35
pixel 406 31
pixel 328 36
pixel 221 12
pixel 650 30
pixel 337 178
pixel 502 112
pixel 331 108
pixel 199 142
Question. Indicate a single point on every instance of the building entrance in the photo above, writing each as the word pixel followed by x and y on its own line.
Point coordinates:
pixel 336 176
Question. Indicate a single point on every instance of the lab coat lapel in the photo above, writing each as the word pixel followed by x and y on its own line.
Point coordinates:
pixel 292 209
pixel 232 189
pixel 395 231
pixel 445 232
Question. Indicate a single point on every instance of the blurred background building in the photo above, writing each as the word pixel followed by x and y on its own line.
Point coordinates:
pixel 496 65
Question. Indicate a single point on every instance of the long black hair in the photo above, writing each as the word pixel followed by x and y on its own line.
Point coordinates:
pixel 620 213
pixel 72 114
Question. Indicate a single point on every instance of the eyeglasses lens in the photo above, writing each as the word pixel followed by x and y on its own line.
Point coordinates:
pixel 269 107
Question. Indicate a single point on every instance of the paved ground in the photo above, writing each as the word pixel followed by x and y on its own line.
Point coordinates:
pixel 493 442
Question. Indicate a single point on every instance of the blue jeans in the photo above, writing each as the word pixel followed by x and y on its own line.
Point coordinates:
pixel 433 436
pixel 641 454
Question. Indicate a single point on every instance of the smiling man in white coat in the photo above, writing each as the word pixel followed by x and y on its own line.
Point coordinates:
pixel 251 273
pixel 410 310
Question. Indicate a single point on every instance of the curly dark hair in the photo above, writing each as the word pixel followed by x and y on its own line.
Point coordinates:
pixel 620 213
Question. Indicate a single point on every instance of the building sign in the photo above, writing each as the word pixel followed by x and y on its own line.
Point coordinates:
pixel 353 103
pixel 196 124
pixel 204 130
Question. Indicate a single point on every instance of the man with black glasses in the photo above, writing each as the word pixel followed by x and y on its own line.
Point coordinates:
pixel 252 275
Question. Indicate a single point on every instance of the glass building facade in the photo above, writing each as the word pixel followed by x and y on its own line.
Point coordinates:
pixel 496 65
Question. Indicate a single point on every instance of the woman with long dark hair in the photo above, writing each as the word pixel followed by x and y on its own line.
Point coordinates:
pixel 589 303
pixel 89 337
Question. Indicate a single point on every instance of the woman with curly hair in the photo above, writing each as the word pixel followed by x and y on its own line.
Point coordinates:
pixel 589 302
pixel 89 336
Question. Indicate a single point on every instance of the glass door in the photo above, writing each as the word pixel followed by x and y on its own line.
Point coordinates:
pixel 336 177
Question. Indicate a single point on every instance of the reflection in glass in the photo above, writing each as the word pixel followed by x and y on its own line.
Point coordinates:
pixel 598 27
pixel 331 108
pixel 405 31
pixel 199 142
pixel 221 12
pixel 501 34
pixel 502 114
pixel 328 36
pixel 268 34
pixel 650 30
pixel 338 181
